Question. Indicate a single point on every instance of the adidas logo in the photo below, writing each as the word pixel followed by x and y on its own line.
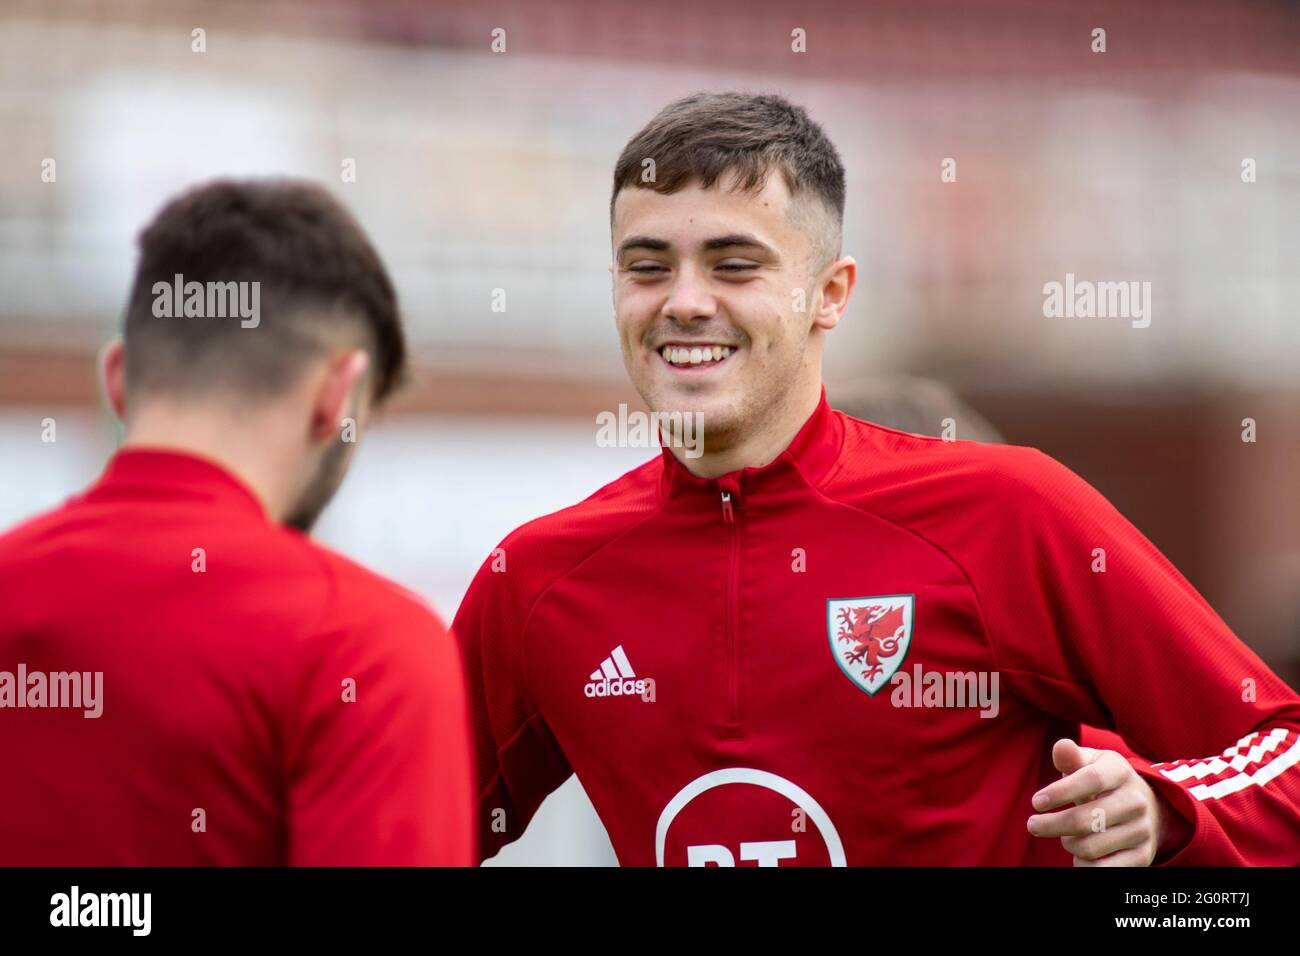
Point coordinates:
pixel 615 678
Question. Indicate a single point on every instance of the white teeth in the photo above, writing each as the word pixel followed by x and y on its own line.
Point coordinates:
pixel 694 356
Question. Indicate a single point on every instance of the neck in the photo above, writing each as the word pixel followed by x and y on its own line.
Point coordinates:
pixel 253 448
pixel 759 448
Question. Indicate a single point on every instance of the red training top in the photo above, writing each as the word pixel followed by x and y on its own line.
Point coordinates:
pixel 260 699
pixel 861 653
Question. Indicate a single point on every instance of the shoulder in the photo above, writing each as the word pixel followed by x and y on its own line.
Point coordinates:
pixel 566 537
pixel 881 462
pixel 15 539
pixel 361 603
pixel 965 495
pixel 536 554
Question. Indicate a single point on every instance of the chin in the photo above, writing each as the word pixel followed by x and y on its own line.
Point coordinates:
pixel 719 410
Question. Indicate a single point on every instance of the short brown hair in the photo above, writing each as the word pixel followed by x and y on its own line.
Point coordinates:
pixel 317 275
pixel 701 137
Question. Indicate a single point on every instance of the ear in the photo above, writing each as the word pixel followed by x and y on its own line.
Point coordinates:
pixel 343 373
pixel 112 373
pixel 836 287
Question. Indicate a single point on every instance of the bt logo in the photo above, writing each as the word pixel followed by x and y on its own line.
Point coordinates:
pixel 693 827
pixel 765 853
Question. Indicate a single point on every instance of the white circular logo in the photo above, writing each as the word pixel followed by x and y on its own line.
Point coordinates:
pixel 765 853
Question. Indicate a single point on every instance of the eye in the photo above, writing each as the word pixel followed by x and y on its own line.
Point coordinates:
pixel 646 268
pixel 736 266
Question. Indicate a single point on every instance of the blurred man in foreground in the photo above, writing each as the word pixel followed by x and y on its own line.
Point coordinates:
pixel 186 678
pixel 825 641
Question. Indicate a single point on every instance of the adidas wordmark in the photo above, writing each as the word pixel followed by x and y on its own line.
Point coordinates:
pixel 616 678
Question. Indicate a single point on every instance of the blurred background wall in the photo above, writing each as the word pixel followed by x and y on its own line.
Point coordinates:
pixel 479 170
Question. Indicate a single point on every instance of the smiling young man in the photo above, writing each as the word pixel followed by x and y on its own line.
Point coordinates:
pixel 824 641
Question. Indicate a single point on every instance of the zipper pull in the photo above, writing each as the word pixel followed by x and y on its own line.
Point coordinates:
pixel 730 491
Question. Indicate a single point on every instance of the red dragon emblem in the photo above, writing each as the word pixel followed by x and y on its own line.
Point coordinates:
pixel 872 637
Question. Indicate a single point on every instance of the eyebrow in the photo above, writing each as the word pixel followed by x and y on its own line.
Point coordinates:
pixel 642 242
pixel 730 241
pixel 736 239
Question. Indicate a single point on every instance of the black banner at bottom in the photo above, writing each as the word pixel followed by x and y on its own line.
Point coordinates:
pixel 567 906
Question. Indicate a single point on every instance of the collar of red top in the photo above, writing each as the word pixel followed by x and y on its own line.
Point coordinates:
pixel 145 472
pixel 808 458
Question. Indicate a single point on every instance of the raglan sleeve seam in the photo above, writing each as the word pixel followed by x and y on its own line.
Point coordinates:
pixel 520 675
pixel 542 593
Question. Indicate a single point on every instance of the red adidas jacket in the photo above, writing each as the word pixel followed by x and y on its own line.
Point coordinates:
pixel 743 670
pixel 261 700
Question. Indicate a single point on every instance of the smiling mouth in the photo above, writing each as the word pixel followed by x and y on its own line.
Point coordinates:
pixel 692 357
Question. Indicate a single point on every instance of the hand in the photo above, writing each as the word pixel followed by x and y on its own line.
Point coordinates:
pixel 1117 819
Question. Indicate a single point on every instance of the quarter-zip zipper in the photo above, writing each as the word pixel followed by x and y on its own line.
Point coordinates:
pixel 729 490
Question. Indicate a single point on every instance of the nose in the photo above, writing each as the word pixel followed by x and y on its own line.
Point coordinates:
pixel 689 298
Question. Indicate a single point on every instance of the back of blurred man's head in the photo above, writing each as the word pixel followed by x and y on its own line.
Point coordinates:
pixel 320 284
pixel 261 302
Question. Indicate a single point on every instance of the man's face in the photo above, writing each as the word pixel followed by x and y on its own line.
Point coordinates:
pixel 705 301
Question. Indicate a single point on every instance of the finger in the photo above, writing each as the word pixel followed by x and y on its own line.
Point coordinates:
pixel 1137 857
pixel 1067 756
pixel 1106 812
pixel 1107 771
pixel 1094 846
pixel 1072 821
